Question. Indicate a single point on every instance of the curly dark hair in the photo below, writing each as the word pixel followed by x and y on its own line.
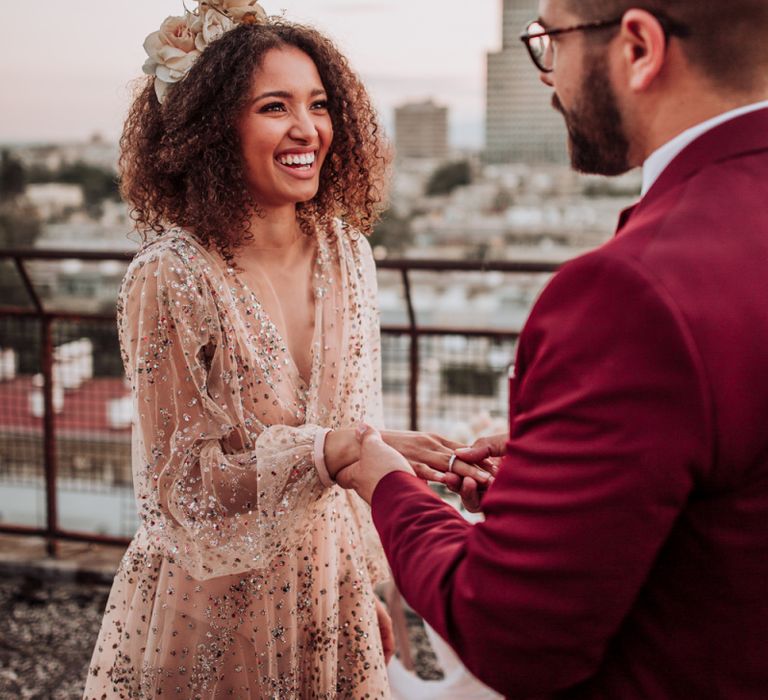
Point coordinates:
pixel 181 163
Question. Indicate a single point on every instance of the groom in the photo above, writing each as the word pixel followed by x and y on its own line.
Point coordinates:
pixel 624 552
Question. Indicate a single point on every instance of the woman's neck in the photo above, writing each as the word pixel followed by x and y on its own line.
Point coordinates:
pixel 274 234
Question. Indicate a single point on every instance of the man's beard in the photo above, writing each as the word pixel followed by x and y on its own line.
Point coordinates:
pixel 596 139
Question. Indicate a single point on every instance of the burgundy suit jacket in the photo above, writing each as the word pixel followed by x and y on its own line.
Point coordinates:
pixel 624 553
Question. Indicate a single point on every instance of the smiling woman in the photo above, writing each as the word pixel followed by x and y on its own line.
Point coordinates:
pixel 249 333
pixel 248 325
pixel 183 163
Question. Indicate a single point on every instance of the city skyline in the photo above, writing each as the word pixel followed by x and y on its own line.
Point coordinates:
pixel 73 80
pixel 521 124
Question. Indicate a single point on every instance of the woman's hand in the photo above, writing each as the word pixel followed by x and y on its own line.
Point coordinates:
pixel 386 629
pixel 430 457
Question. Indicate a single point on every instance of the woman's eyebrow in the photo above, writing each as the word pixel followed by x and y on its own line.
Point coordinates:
pixel 286 95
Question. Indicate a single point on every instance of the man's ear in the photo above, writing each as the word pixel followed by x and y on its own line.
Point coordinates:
pixel 643 48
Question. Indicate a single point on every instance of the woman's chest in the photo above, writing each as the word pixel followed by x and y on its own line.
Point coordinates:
pixel 287 307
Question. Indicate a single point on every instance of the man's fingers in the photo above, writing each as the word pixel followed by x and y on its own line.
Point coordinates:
pixel 483 448
pixel 452 482
pixel 474 454
pixel 427 473
pixel 463 469
pixel 470 495
pixel 490 466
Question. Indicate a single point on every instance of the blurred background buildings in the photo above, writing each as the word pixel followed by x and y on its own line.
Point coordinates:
pixel 421 130
pixel 520 123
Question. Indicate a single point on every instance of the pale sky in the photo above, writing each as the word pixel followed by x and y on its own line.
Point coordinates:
pixel 65 66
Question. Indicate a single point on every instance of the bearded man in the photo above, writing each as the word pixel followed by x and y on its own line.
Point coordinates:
pixel 624 551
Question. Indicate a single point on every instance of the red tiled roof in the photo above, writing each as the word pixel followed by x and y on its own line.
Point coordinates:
pixel 85 408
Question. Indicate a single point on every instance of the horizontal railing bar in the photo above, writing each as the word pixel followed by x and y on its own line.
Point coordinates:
pixel 426 264
pixel 66 254
pixel 441 265
pixel 19 312
pixel 65 535
pixel 386 330
pixel 437 330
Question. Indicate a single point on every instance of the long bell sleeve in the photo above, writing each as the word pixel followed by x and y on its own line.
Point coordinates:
pixel 219 493
pixel 365 342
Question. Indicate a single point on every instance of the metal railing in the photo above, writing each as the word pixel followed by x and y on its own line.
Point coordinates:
pixel 41 314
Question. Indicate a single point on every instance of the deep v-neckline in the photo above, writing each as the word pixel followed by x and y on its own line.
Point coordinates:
pixel 306 383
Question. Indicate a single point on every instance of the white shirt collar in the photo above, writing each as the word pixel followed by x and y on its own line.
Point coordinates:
pixel 658 161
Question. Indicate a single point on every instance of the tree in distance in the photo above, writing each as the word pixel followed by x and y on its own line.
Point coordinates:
pixel 448 177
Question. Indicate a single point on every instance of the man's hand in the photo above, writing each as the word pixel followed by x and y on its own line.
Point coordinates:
pixel 386 629
pixel 377 459
pixel 484 451
pixel 484 448
pixel 430 456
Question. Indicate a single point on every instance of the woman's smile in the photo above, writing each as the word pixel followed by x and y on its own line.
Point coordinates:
pixel 298 163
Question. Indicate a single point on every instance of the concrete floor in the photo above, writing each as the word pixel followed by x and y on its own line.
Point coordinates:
pixel 51 612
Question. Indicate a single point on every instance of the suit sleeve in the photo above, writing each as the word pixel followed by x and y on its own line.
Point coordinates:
pixel 610 427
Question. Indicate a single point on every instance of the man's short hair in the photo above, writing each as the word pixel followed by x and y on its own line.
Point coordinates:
pixel 728 39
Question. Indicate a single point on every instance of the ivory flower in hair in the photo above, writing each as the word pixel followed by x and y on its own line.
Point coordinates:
pixel 241 11
pixel 210 25
pixel 179 42
pixel 171 52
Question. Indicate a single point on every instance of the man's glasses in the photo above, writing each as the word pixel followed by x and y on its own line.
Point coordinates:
pixel 538 39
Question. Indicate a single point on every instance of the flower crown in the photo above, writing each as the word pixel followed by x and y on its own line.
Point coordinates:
pixel 180 40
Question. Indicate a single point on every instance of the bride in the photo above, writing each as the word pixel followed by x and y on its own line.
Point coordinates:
pixel 249 332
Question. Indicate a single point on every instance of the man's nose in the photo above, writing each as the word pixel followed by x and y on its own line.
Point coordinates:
pixel 546 78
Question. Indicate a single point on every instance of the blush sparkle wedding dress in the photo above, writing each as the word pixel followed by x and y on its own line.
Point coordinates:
pixel 248 577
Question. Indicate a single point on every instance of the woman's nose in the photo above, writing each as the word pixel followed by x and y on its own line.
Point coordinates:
pixel 303 127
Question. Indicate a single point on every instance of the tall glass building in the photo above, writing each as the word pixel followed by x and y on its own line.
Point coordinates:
pixel 520 123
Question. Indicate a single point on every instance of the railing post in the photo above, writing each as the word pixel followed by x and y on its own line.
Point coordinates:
pixel 49 436
pixel 414 353
pixel 51 530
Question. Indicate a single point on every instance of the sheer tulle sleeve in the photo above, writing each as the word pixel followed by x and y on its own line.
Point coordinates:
pixel 370 330
pixel 217 498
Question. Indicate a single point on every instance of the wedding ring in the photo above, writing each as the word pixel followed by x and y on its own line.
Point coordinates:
pixel 451 461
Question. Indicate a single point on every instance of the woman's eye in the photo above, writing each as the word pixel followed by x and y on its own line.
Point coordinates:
pixel 273 107
pixel 320 104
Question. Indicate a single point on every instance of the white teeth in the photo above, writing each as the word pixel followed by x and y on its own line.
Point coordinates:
pixel 297 159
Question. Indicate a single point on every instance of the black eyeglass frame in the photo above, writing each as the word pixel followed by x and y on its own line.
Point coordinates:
pixel 670 27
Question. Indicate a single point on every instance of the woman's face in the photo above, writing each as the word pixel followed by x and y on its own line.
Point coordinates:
pixel 286 130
